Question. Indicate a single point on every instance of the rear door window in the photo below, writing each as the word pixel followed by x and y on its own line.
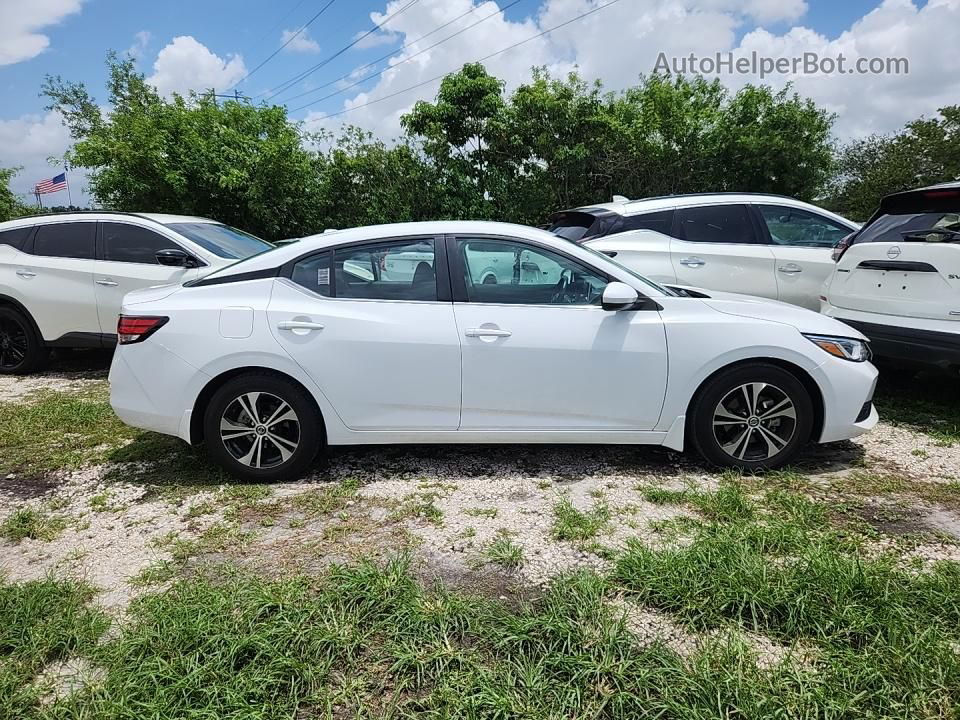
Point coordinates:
pixel 403 270
pixel 66 240
pixel 715 224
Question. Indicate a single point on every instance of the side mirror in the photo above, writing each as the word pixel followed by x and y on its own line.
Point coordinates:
pixel 176 258
pixel 619 296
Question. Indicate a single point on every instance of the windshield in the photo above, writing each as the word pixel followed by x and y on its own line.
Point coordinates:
pixel 647 281
pixel 898 228
pixel 222 240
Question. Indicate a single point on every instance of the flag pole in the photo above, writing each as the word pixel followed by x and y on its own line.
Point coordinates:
pixel 69 196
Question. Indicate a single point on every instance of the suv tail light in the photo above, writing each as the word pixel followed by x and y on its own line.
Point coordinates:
pixel 841 247
pixel 137 328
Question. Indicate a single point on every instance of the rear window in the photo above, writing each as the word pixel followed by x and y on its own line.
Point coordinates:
pixel 579 226
pixel 943 227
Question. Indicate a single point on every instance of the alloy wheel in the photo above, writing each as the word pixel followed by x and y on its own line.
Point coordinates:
pixel 754 421
pixel 260 430
pixel 13 344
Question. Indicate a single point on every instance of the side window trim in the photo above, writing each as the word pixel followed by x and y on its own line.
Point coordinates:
pixel 440 260
pixel 458 269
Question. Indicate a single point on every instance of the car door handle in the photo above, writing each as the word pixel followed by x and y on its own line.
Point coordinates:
pixel 299 325
pixel 486 332
pixel 790 269
pixel 106 283
pixel 693 262
pixel 26 274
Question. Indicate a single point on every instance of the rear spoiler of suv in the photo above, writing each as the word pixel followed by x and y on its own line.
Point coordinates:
pixel 923 200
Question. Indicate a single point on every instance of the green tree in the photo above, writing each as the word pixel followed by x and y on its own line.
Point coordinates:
pixel 10 205
pixel 238 163
pixel 456 132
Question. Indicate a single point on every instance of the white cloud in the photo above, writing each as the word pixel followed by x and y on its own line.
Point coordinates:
pixel 29 141
pixel 140 42
pixel 185 64
pixel 374 39
pixel 619 43
pixel 20 23
pixel 299 42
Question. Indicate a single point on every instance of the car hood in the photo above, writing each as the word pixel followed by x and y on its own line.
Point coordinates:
pixel 806 321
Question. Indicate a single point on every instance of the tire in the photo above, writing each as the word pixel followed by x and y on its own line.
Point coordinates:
pixel 21 349
pixel 743 438
pixel 288 443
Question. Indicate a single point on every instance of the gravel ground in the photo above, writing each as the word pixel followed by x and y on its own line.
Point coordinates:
pixel 446 505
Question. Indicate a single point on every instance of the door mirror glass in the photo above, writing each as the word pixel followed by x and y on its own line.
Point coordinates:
pixel 175 258
pixel 619 296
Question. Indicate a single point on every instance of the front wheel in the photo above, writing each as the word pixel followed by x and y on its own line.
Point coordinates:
pixel 262 428
pixel 752 417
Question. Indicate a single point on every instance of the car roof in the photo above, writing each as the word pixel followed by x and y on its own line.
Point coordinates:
pixel 42 218
pixel 640 206
pixel 311 243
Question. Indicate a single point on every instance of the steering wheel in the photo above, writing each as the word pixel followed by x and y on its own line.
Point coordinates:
pixel 560 290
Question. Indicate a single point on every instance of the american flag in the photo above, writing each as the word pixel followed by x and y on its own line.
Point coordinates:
pixel 52 185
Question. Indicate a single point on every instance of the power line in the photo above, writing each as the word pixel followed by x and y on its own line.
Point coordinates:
pixel 483 59
pixel 289 40
pixel 406 59
pixel 293 81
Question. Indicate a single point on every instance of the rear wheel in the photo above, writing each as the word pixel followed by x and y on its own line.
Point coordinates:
pixel 263 428
pixel 752 417
pixel 21 351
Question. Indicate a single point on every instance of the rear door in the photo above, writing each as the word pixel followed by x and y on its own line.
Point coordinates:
pixel 55 278
pixel 127 261
pixel 905 265
pixel 802 243
pixel 718 247
pixel 373 325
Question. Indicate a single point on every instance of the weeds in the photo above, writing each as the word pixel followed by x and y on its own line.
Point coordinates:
pixel 572 524
pixel 28 522
pixel 504 552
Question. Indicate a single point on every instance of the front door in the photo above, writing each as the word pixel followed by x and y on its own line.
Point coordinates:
pixel 539 353
pixel 367 324
pixel 717 248
pixel 127 261
pixel 802 243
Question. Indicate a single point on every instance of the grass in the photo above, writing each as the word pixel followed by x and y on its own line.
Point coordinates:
pixel 572 524
pixel 32 523
pixel 504 552
pixel 41 622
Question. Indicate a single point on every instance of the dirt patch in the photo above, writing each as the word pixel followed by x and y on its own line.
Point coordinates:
pixel 61 679
pixel 14 488
pixel 910 453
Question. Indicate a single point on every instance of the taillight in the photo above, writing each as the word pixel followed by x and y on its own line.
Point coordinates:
pixel 841 247
pixel 137 328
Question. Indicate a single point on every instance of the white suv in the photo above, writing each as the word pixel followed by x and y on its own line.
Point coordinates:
pixel 766 245
pixel 63 276
pixel 898 279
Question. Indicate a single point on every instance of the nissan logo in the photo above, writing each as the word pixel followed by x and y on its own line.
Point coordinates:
pixel 893 252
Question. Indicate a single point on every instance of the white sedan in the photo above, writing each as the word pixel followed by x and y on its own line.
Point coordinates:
pixel 342 339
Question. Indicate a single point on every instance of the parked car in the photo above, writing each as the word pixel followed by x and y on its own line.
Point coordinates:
pixel 272 358
pixel 898 279
pixel 63 276
pixel 765 245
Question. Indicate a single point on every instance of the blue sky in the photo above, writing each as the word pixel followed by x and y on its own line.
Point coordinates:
pixel 181 44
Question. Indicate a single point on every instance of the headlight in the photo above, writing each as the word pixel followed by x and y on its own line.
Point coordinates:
pixel 841 347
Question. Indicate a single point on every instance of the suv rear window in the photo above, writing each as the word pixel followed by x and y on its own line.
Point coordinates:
pixel 578 226
pixel 903 228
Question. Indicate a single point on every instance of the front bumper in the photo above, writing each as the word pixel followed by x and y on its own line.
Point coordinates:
pixel 847 390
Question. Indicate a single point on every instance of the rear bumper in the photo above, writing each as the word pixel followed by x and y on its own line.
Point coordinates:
pixel 927 347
